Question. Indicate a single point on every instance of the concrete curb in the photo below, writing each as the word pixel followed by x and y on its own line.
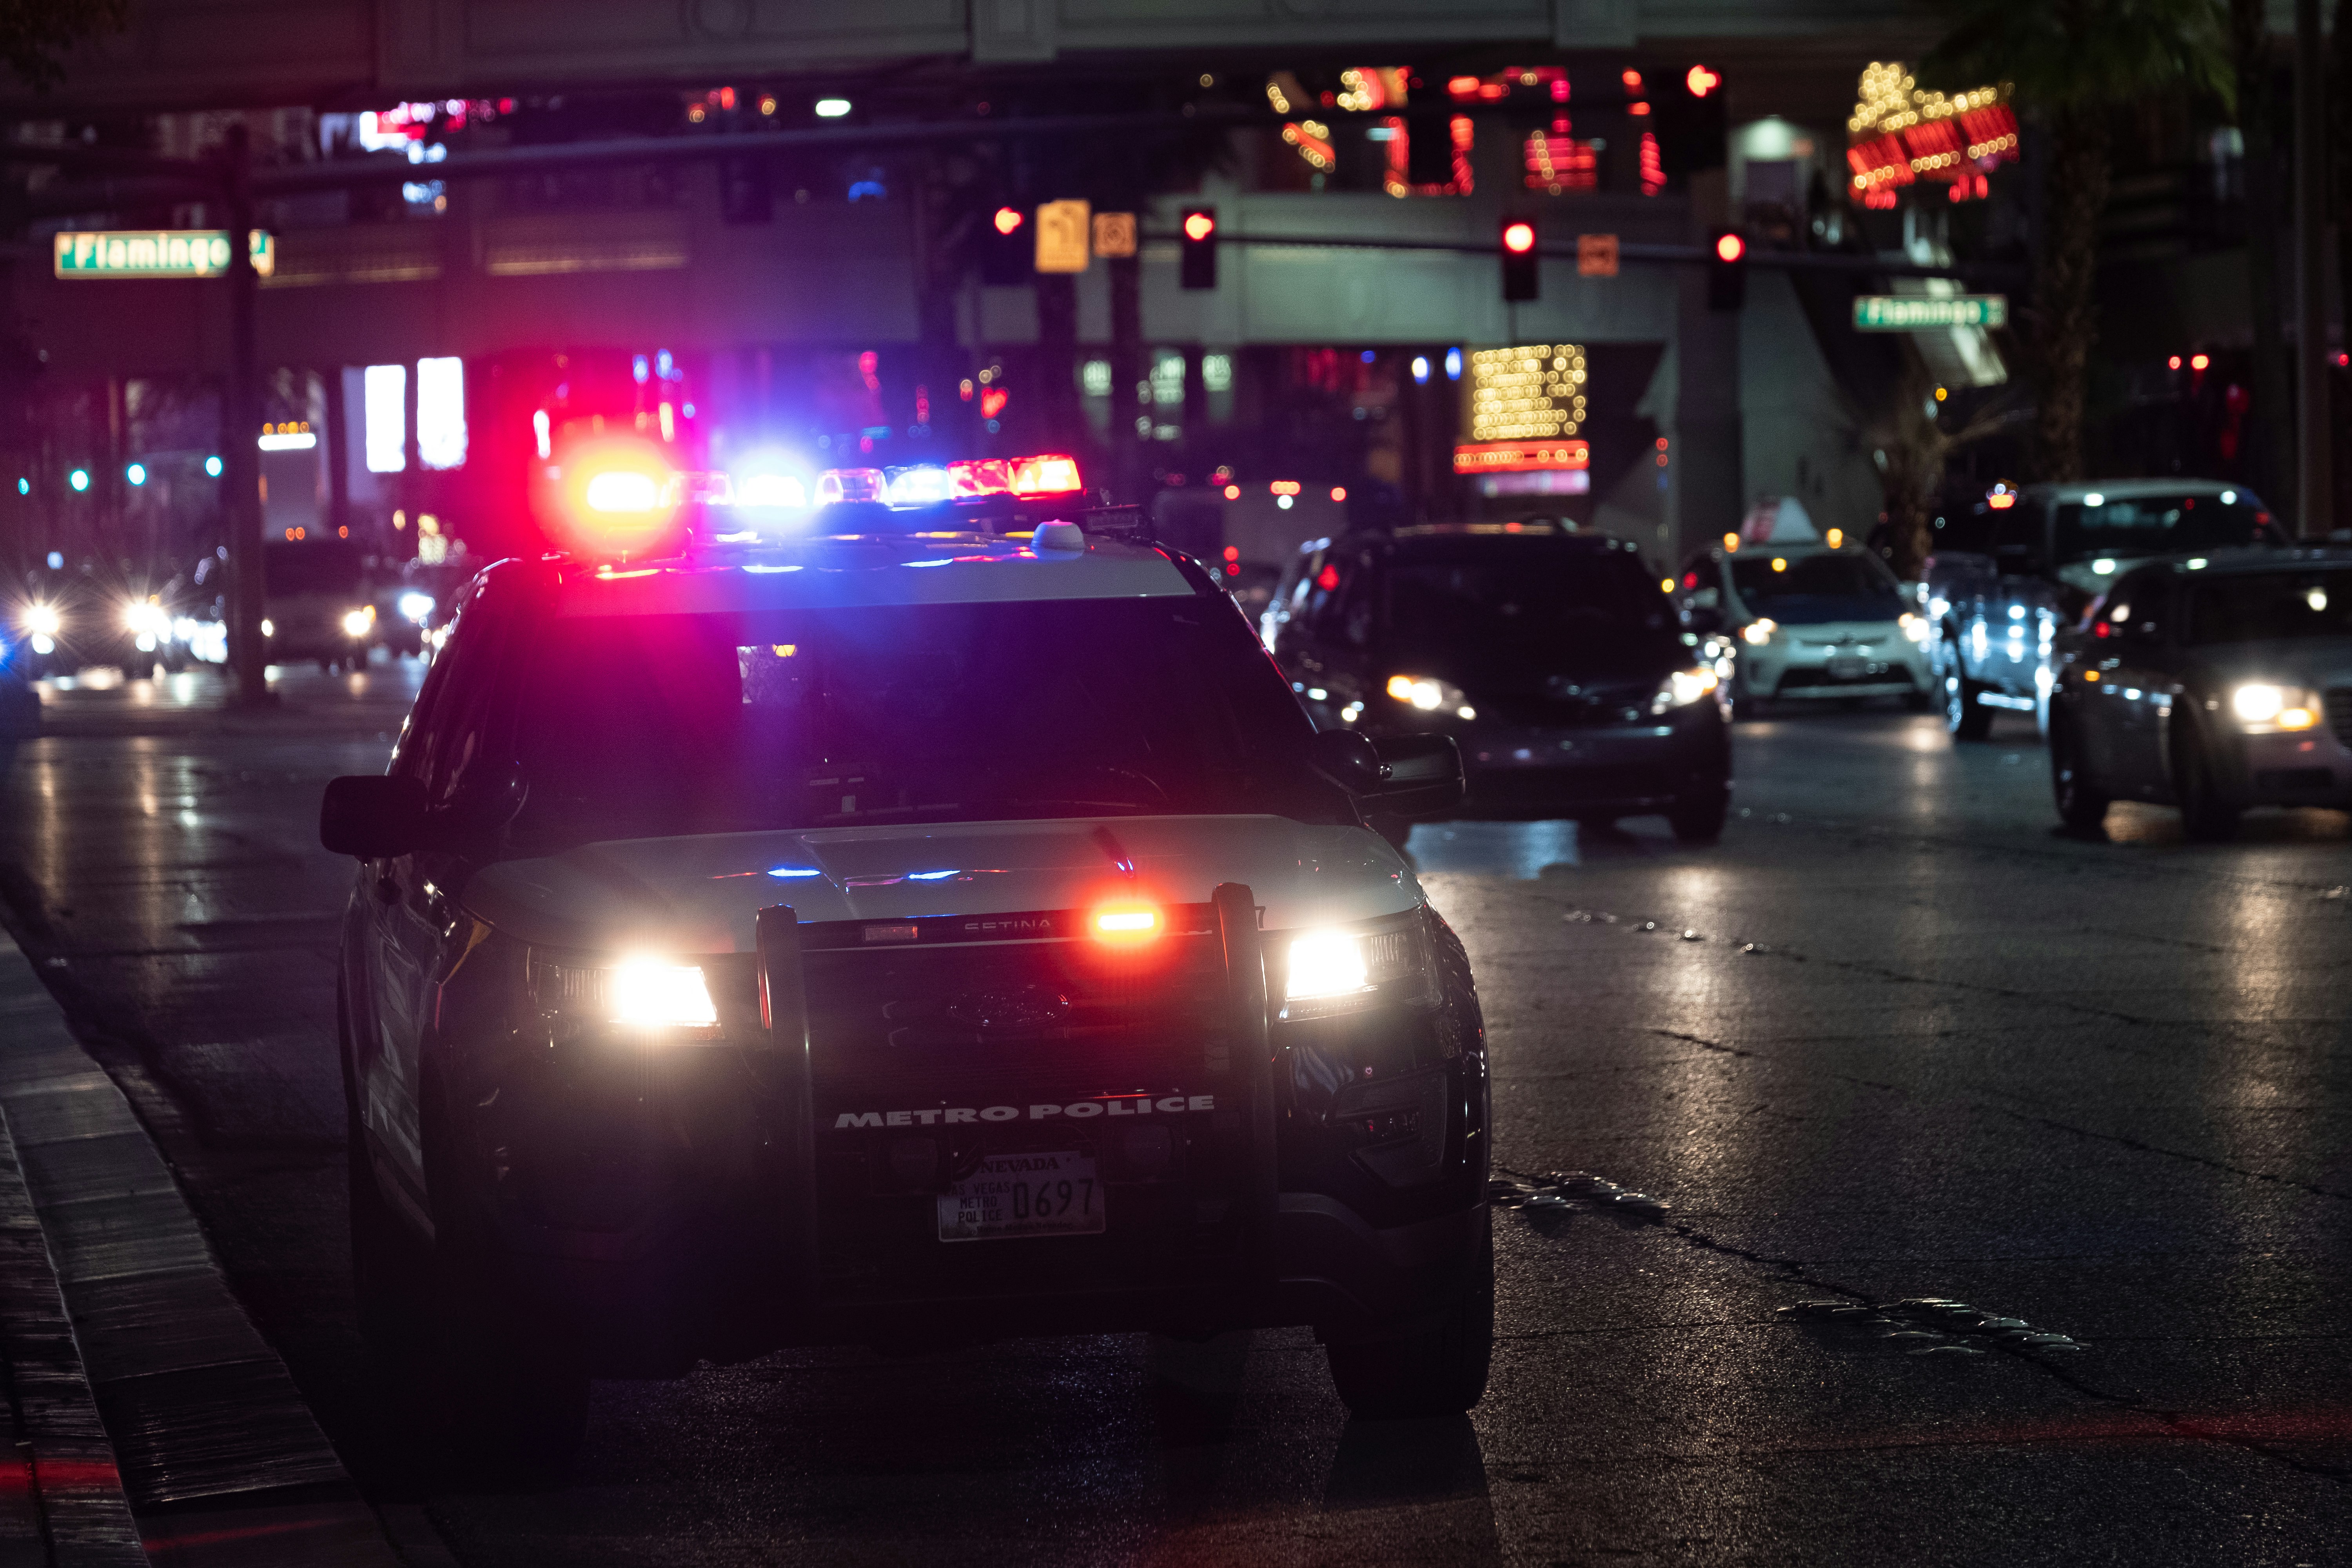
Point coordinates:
pixel 204 1440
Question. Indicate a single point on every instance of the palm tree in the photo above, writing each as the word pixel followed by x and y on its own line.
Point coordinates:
pixel 2073 64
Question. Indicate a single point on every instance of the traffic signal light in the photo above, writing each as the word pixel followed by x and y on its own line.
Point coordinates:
pixel 1726 270
pixel 1690 122
pixel 1005 247
pixel 1198 249
pixel 1520 264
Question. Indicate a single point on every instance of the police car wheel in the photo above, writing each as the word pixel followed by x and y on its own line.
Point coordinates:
pixel 1439 1371
pixel 1700 821
pixel 2206 815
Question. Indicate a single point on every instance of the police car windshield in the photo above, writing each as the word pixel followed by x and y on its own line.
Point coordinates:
pixel 1798 589
pixel 646 726
pixel 2281 607
pixel 2159 525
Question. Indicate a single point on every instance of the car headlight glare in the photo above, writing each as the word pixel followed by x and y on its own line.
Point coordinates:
pixel 646 997
pixel 1683 688
pixel 1334 970
pixel 1430 695
pixel 414 606
pixel 2262 709
pixel 1913 626
pixel 360 621
pixel 1756 634
pixel 43 621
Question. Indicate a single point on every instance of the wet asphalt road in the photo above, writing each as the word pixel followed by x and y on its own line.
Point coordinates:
pixel 1894 1041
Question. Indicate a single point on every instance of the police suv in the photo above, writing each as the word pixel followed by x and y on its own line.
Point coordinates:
pixel 918 927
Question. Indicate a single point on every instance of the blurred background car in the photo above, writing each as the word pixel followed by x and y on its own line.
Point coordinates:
pixel 2003 577
pixel 2213 683
pixel 1809 622
pixel 1550 655
pixel 316 604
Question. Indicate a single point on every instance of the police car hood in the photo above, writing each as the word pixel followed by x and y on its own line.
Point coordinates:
pixel 700 894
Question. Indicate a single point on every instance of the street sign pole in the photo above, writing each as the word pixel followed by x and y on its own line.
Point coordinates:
pixel 240 439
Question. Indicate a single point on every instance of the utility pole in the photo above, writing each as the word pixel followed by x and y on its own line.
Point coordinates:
pixel 241 431
pixel 2314 460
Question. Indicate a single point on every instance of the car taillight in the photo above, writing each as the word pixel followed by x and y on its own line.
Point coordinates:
pixel 848 485
pixel 1052 474
pixel 981 476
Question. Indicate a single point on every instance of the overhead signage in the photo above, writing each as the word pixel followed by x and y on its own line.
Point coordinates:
pixel 1062 236
pixel 1520 456
pixel 1526 399
pixel 1928 312
pixel 1596 256
pixel 156 253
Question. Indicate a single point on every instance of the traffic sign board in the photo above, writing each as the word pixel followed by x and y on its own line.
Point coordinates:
pixel 1062 236
pixel 1596 255
pixel 1928 312
pixel 155 253
pixel 1114 234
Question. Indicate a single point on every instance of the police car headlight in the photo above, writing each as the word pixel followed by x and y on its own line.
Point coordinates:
pixel 645 998
pixel 1913 626
pixel 1353 968
pixel 1683 688
pixel 1431 695
pixel 2262 709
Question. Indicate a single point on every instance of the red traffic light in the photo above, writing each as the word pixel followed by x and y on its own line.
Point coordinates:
pixel 1200 225
pixel 1008 219
pixel 1729 248
pixel 1518 238
pixel 1702 81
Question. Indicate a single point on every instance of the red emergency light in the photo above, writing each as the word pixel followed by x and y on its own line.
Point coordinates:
pixel 1730 246
pixel 1008 219
pixel 1200 225
pixel 981 476
pixel 1701 81
pixel 621 497
pixel 1048 474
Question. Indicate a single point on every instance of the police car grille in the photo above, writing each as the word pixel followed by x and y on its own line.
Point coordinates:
pixel 1005 1027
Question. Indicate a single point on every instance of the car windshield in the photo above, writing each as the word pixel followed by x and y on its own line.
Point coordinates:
pixel 1798 589
pixel 646 726
pixel 1531 595
pixel 2159 525
pixel 2271 607
pixel 331 566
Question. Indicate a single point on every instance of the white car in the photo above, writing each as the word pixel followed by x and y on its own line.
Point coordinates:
pixel 1812 623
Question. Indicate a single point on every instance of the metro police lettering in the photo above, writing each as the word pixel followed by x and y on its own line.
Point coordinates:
pixel 1112 1105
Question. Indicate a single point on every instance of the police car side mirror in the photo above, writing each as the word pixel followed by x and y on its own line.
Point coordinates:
pixel 374 817
pixel 1348 759
pixel 1421 775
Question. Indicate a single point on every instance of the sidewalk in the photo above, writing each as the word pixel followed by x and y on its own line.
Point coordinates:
pixel 151 1422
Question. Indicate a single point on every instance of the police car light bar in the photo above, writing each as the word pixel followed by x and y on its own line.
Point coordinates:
pixel 923 484
pixel 1126 922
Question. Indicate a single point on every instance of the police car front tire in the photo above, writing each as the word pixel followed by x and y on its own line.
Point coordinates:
pixel 1438 1371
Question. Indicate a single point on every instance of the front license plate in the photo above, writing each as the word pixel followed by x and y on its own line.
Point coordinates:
pixel 1023 1194
pixel 1845 667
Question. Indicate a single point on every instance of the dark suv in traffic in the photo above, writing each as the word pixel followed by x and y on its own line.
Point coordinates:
pixel 2002 579
pixel 1552 656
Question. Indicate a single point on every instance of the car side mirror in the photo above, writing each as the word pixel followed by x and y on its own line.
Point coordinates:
pixel 1348 760
pixel 1421 775
pixel 374 816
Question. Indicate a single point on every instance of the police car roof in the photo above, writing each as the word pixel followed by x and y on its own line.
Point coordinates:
pixel 870 569
pixel 2137 490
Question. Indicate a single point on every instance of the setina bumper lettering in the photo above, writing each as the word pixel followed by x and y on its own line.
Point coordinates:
pixel 955 1116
